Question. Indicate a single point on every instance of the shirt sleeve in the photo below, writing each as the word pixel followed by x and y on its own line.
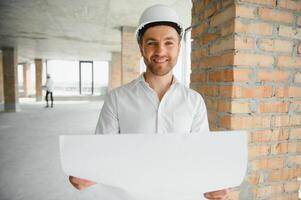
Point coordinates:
pixel 108 118
pixel 200 119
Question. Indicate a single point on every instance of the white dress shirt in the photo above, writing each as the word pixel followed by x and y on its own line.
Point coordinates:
pixel 136 108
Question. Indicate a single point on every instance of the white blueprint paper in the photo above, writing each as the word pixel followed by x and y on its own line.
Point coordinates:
pixel 158 166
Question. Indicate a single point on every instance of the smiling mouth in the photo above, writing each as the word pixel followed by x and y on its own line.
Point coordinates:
pixel 160 60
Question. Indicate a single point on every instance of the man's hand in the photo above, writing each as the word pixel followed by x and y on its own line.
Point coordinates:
pixel 217 195
pixel 80 183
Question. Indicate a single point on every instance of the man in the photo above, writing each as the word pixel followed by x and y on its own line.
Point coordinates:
pixel 49 90
pixel 155 102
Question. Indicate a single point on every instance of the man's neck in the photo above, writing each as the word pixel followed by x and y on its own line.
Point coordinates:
pixel 160 84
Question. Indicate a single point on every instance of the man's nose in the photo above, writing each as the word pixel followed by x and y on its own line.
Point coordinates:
pixel 160 50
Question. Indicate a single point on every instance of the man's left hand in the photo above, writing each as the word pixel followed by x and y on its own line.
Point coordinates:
pixel 217 195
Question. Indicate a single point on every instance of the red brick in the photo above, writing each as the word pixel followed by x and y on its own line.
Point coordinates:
pixel 280 120
pixel 261 2
pixel 243 11
pixel 294 160
pixel 248 59
pixel 288 61
pixel 259 150
pixel 253 178
pixel 284 174
pixel 199 29
pixel 210 11
pixel 228 28
pixel 216 61
pixel 279 148
pixel 288 91
pixel 289 32
pixel 208 90
pixel 267 163
pixel 222 45
pixel 275 15
pixel 208 37
pixel 291 186
pixel 244 122
pixel 294 147
pixel 276 106
pixel 295 120
pixel 236 75
pixel 244 42
pixel 266 191
pixel 295 133
pixel 225 15
pixel 197 77
pixel 276 45
pixel 275 75
pixel 259 28
pixel 233 107
pixel 290 4
pixel 269 135
pixel 211 104
pixel 243 92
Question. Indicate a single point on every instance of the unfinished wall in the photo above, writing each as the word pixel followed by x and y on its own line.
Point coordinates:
pixel 246 62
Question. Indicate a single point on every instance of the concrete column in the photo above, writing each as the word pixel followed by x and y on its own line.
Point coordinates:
pixel 10 79
pixel 115 71
pixel 26 78
pixel 1 84
pixel 39 70
pixel 130 55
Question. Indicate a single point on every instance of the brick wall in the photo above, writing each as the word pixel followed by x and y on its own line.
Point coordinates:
pixel 130 55
pixel 39 73
pixel 246 62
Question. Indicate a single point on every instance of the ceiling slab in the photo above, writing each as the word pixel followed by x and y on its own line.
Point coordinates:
pixel 73 29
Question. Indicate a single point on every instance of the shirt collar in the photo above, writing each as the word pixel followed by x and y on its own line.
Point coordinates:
pixel 141 80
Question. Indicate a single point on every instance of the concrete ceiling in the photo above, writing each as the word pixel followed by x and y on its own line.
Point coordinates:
pixel 73 29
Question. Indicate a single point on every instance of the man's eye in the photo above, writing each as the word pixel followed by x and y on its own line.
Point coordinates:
pixel 150 43
pixel 169 43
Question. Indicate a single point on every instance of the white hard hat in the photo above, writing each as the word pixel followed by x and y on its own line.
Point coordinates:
pixel 158 13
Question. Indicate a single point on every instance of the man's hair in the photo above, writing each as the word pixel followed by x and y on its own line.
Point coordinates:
pixel 147 26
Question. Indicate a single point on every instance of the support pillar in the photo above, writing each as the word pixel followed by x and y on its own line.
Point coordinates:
pixel 26 78
pixel 10 79
pixel 115 71
pixel 39 70
pixel 130 55
pixel 1 84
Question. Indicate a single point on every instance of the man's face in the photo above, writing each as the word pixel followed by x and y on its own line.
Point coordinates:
pixel 160 48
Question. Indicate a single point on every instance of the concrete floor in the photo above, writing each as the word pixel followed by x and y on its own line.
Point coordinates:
pixel 29 151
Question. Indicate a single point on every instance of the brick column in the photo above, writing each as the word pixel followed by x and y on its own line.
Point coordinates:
pixel 39 70
pixel 26 78
pixel 246 62
pixel 130 55
pixel 10 79
pixel 115 71
pixel 1 84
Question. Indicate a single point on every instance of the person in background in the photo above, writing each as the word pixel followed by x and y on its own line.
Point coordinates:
pixel 49 90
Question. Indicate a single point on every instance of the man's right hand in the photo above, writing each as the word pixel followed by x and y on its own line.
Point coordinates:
pixel 80 183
